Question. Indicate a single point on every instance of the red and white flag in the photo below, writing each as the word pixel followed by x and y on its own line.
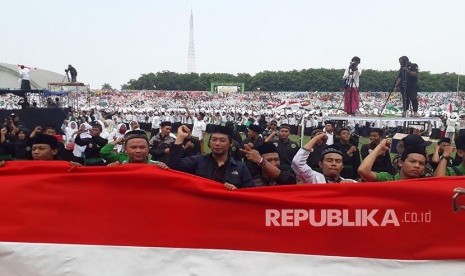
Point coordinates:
pixel 282 105
pixel 140 220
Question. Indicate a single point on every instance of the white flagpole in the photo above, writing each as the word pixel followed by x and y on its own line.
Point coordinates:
pixel 459 100
pixel 458 83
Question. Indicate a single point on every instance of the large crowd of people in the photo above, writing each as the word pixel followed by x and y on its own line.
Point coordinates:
pixel 142 102
pixel 249 137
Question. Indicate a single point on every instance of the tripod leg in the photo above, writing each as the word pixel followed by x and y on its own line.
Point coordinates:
pixel 340 103
pixel 406 102
pixel 385 103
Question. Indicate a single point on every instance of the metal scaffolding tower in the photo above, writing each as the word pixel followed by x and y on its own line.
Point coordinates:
pixel 191 54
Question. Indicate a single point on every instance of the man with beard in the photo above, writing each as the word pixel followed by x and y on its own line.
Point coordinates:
pixel 383 162
pixel 217 166
pixel 330 163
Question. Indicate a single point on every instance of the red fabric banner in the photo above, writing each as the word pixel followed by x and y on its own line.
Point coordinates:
pixel 142 205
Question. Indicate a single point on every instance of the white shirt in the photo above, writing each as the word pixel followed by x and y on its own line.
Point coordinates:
pixel 198 127
pixel 292 121
pixel 309 123
pixel 355 76
pixel 330 140
pixel 156 122
pixel 24 73
pixel 451 124
pixel 304 172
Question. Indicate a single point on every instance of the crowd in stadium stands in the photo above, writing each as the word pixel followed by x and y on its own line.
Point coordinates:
pixel 250 136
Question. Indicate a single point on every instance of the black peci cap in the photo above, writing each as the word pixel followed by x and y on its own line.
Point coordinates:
pixel 414 140
pixel 222 129
pixel 267 147
pixel 45 139
pixel 255 128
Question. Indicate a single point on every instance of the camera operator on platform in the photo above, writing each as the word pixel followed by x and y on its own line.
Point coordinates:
pixel 351 84
pixel 407 84
pixel 72 71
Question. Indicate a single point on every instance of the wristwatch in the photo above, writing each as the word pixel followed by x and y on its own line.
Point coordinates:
pixel 448 158
pixel 262 162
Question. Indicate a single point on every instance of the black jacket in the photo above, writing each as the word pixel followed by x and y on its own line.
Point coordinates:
pixel 93 144
pixel 236 172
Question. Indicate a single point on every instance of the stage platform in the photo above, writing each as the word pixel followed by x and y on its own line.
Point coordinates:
pixel 66 84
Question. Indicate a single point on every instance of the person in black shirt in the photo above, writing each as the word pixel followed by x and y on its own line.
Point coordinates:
pixel 271 130
pixel 44 147
pixel 407 84
pixel 264 166
pixel 93 145
pixel 350 154
pixel 235 134
pixel 24 103
pixel 217 165
pixel 313 159
pixel 161 142
pixel 434 158
pixel 383 162
pixel 254 140
pixel 285 147
pixel 73 72
pixel 20 146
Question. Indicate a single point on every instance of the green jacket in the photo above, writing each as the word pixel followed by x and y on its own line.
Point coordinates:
pixel 453 171
pixel 385 176
pixel 107 153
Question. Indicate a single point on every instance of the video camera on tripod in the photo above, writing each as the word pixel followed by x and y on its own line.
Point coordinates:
pixel 348 82
pixel 353 66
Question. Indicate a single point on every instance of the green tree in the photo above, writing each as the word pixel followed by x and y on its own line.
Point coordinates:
pixel 304 80
pixel 106 86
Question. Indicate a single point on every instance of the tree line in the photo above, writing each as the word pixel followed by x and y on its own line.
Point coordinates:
pixel 303 80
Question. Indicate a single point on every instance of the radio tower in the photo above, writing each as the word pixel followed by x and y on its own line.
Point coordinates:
pixel 191 55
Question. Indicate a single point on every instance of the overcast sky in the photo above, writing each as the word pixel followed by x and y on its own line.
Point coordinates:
pixel 113 41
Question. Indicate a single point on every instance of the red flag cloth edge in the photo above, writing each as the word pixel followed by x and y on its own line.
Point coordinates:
pixel 142 205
